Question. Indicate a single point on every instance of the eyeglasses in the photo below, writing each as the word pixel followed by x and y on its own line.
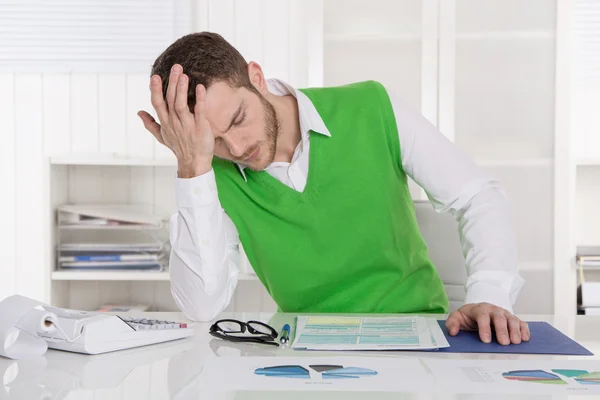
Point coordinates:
pixel 234 330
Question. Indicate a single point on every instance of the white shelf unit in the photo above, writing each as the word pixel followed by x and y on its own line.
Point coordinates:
pixel 131 182
pixel 123 276
pixel 109 276
pixel 588 161
pixel 112 159
pixel 483 72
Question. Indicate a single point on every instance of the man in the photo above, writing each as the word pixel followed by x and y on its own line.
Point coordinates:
pixel 313 183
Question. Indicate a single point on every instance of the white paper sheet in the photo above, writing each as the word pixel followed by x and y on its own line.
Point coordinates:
pixel 368 333
pixel 316 373
pixel 403 375
pixel 19 322
pixel 518 376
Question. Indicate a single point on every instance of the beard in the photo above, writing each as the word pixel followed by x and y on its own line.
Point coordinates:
pixel 272 130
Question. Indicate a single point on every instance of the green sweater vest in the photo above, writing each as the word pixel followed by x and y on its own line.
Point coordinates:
pixel 350 242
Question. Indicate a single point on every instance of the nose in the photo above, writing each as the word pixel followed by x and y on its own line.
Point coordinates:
pixel 236 148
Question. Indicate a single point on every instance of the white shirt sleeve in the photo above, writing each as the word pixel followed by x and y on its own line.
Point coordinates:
pixel 205 258
pixel 455 184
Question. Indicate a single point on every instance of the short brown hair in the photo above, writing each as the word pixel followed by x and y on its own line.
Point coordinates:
pixel 206 57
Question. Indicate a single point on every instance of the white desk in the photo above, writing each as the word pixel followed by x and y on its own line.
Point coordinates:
pixel 174 370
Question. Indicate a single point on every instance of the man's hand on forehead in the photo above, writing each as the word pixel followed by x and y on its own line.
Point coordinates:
pixel 186 133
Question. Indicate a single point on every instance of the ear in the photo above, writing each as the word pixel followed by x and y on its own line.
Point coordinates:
pixel 257 78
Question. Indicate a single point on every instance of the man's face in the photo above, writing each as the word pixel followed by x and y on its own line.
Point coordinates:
pixel 244 124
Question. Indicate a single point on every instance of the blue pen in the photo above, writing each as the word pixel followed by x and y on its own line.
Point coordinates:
pixel 285 334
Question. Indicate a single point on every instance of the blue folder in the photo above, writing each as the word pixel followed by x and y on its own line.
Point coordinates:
pixel 545 339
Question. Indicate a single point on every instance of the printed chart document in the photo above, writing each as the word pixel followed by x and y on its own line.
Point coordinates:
pixel 316 373
pixel 368 333
pixel 519 376
pixel 403 374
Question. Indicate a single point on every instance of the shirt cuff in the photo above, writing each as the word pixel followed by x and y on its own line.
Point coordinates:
pixel 197 191
pixel 483 292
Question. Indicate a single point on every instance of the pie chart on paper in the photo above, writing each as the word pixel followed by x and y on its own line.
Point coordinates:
pixel 340 372
pixel 534 376
pixel 326 371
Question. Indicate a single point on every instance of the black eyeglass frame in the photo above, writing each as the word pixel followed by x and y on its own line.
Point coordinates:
pixel 261 337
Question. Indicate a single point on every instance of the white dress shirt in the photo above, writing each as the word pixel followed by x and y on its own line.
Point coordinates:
pixel 205 257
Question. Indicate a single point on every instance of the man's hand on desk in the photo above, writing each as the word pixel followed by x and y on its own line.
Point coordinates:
pixel 485 317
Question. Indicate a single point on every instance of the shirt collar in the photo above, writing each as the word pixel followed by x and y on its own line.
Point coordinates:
pixel 309 117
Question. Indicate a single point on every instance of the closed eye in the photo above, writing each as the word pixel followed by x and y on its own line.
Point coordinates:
pixel 241 119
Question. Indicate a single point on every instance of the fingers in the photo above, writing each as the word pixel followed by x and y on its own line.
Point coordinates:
pixel 156 97
pixel 484 326
pixel 525 333
pixel 176 70
pixel 453 324
pixel 200 110
pixel 501 328
pixel 514 329
pixel 181 98
pixel 200 106
pixel 151 125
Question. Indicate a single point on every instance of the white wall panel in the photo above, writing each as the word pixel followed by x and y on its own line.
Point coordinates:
pixel 83 295
pixel 85 186
pixel 142 292
pixel 141 185
pixel 84 113
pixel 140 142
pixel 115 184
pixel 164 190
pixel 7 180
pixel 57 113
pixel 372 17
pixel 248 295
pixel 315 41
pixel 221 18
pixel 163 298
pixel 199 11
pixel 276 39
pixel 114 292
pixel 112 107
pixel 505 15
pixel 447 69
pixel 162 152
pixel 267 304
pixel 32 197
pixel 249 22
pixel 298 42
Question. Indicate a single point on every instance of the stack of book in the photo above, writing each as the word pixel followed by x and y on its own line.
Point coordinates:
pixel 107 256
pixel 111 237
pixel 588 259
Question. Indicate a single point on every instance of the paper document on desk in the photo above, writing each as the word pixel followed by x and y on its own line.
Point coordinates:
pixel 368 333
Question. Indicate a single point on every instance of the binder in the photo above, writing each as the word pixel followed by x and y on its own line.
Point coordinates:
pixel 545 339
